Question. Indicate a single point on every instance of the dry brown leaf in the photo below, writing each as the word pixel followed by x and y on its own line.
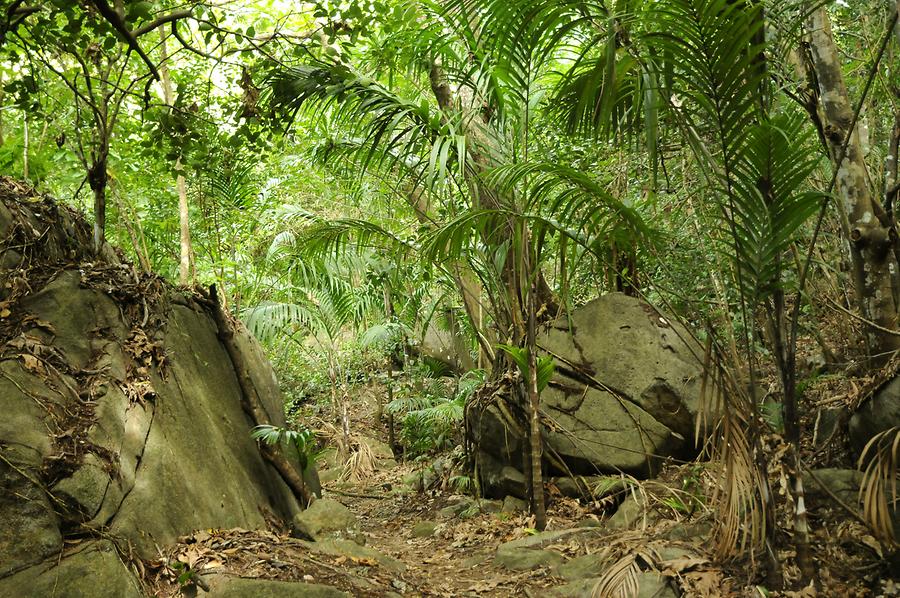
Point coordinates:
pixel 672 567
pixel 32 363
pixel 365 561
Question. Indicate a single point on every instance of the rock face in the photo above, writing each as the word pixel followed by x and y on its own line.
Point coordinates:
pixel 121 409
pixel 625 396
pixel 878 413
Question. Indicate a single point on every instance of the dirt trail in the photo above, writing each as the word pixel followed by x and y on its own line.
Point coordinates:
pixel 458 559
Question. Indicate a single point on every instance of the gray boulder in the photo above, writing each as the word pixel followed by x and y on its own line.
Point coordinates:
pixel 878 413
pixel 93 571
pixel 121 413
pixel 625 396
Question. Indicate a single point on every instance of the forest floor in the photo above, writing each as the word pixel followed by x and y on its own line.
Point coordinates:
pixel 437 542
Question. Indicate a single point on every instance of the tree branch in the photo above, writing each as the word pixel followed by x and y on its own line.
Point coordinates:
pixel 115 19
pixel 159 21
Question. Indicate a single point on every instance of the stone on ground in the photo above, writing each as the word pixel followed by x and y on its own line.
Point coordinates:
pixel 222 586
pixel 512 504
pixel 531 552
pixel 650 585
pixel 878 413
pixel 582 567
pixel 424 529
pixel 323 516
pixel 352 550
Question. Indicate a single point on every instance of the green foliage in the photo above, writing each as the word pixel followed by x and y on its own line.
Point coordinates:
pixel 431 409
pixel 546 367
pixel 302 441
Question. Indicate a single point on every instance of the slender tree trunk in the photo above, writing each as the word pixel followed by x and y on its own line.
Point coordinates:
pixel 185 266
pixel 97 178
pixel 538 508
pixel 135 243
pixel 2 96
pixel 25 147
pixel 870 234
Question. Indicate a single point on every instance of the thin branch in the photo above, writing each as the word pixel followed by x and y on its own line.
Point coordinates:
pixel 160 21
pixel 859 318
pixel 114 19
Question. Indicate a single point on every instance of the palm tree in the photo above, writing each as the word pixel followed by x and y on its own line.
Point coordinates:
pixel 708 59
pixel 455 130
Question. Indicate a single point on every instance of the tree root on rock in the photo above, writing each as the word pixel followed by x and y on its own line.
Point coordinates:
pixel 252 404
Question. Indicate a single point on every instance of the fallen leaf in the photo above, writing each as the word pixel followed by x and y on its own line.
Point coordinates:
pixel 674 566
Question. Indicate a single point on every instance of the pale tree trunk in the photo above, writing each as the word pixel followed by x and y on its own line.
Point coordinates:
pixel 467 282
pixel 25 148
pixel 185 267
pixel 870 234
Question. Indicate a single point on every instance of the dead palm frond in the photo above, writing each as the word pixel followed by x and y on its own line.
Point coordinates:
pixel 878 491
pixel 630 554
pixel 361 462
pixel 741 498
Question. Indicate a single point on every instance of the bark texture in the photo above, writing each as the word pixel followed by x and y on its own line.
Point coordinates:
pixel 870 232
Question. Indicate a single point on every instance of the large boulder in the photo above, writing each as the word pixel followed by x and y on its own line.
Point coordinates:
pixel 625 396
pixel 122 415
pixel 878 413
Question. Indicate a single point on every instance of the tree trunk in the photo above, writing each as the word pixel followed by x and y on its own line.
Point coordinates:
pixel 97 179
pixel 535 436
pixel 185 267
pixel 870 232
pixel 25 147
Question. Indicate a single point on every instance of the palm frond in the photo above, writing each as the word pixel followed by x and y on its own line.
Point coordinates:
pixel 390 130
pixel 878 491
pixel 769 207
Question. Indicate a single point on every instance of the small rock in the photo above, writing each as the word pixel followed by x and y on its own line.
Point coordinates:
pixel 424 529
pixel 326 476
pixel 352 550
pixel 589 486
pixel 322 516
pixel 631 512
pixel 490 506
pixel 429 478
pixel 843 483
pixel 875 415
pixel 222 586
pixel 384 456
pixel 523 559
pixel 650 585
pixel 413 481
pixel 511 504
pixel 588 565
pixel 456 509
pixel 689 531
pixel 512 481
